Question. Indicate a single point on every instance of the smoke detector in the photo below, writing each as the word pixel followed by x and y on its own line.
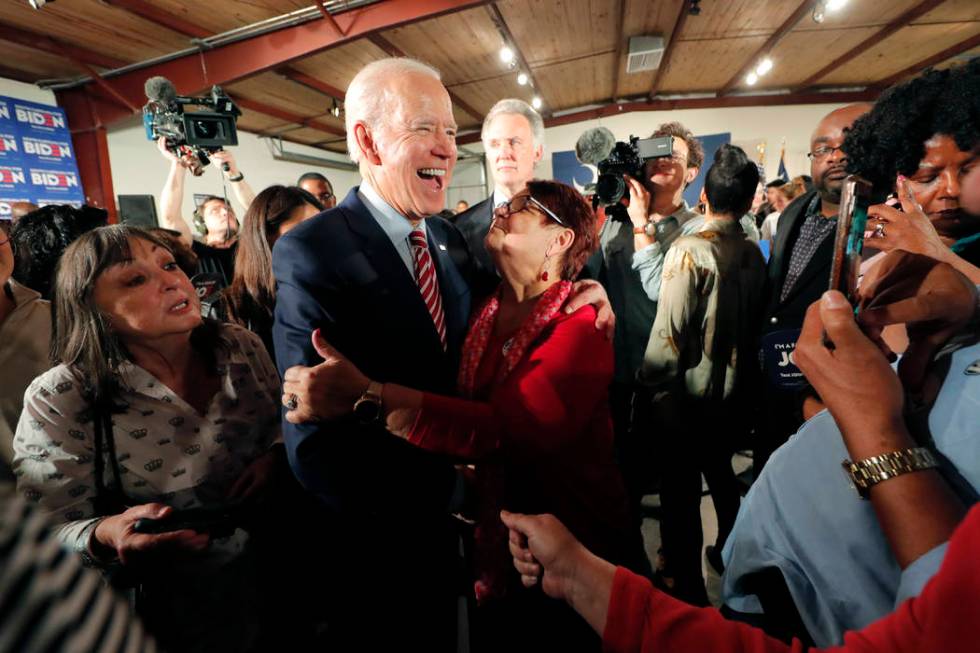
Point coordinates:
pixel 645 53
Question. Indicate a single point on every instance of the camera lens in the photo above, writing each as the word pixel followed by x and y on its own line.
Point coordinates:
pixel 610 188
pixel 205 128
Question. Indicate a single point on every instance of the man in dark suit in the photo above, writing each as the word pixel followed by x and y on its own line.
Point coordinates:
pixel 513 139
pixel 353 272
pixel 799 267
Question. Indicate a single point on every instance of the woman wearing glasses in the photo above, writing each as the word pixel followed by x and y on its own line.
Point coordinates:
pixel 532 413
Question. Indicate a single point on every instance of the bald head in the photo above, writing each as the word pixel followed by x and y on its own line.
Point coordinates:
pixel 19 209
pixel 827 161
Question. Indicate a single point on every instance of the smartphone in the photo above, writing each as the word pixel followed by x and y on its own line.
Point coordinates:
pixel 849 239
pixel 218 522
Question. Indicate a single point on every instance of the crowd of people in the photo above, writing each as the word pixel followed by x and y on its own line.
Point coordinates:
pixel 443 429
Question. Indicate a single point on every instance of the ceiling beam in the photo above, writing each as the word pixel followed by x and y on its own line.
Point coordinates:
pixel 511 42
pixel 162 17
pixel 327 16
pixel 312 82
pixel 801 11
pixel 57 47
pixel 154 14
pixel 898 23
pixel 620 46
pixel 669 50
pixel 394 51
pixel 232 61
pixel 939 57
pixel 288 116
pixel 615 109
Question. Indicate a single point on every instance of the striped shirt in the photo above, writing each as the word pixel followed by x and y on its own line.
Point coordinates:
pixel 48 600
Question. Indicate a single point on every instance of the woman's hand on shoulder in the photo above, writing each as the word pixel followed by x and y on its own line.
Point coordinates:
pixel 116 535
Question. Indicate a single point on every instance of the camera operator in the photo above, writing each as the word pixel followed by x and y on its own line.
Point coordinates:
pixel 214 217
pixel 660 196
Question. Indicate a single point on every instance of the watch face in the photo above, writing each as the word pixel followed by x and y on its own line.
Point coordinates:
pixel 650 229
pixel 367 410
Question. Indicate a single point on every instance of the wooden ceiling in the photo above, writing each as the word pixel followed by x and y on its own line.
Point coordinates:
pixel 575 51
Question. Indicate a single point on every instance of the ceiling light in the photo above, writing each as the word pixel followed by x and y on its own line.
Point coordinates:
pixel 751 79
pixel 764 66
pixel 522 79
pixel 506 54
pixel 834 5
pixel 37 4
pixel 694 9
pixel 536 102
pixel 818 13
pixel 335 109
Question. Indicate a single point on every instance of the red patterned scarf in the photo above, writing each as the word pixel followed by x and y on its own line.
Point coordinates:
pixel 491 552
pixel 475 346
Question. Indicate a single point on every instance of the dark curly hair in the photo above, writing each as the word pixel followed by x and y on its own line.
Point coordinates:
pixel 41 237
pixel 695 151
pixel 890 139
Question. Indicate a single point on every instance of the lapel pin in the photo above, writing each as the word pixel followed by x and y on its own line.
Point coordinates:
pixel 973 369
pixel 442 247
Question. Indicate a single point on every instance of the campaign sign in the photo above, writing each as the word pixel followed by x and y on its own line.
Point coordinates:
pixel 10 151
pixel 777 359
pixel 51 182
pixel 37 157
pixel 47 151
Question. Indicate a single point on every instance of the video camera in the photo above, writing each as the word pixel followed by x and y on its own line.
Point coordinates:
pixel 193 133
pixel 627 158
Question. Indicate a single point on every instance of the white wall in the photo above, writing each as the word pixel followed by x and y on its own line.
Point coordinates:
pixel 139 169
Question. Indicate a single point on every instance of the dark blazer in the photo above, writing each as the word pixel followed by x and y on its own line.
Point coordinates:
pixel 815 279
pixel 340 272
pixel 474 223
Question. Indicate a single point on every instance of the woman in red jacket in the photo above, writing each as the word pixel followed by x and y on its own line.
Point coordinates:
pixel 532 414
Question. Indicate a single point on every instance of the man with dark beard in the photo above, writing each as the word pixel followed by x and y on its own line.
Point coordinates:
pixel 799 269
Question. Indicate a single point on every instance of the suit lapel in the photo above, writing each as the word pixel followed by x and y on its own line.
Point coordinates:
pixel 452 285
pixel 405 305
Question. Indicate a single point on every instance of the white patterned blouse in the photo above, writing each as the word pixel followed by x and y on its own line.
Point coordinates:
pixel 167 452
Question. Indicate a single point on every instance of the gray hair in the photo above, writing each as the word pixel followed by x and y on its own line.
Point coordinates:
pixel 368 98
pixel 517 107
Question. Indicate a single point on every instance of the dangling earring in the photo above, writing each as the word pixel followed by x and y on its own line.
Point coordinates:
pixel 544 273
pixel 544 276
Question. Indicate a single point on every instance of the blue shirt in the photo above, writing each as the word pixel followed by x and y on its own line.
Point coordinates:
pixel 392 222
pixel 803 516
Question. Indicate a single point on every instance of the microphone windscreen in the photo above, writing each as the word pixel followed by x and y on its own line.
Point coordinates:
pixel 160 89
pixel 594 145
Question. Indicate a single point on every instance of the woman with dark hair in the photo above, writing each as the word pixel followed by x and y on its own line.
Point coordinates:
pixel 251 298
pixel 149 411
pixel 700 353
pixel 533 413
pixel 919 141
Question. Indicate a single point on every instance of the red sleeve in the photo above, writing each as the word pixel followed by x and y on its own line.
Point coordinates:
pixel 553 394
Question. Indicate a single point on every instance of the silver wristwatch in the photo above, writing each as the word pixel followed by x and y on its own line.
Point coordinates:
pixel 869 472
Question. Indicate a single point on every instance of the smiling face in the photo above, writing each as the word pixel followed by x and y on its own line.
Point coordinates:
pixel 938 182
pixel 147 297
pixel 511 151
pixel 409 156
pixel 519 242
pixel 670 174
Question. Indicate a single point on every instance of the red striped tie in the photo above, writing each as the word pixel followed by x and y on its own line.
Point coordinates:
pixel 425 274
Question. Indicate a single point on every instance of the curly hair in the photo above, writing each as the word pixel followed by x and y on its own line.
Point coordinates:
pixel 695 151
pixel 890 139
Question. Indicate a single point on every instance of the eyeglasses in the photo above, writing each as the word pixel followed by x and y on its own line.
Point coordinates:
pixel 823 151
pixel 520 202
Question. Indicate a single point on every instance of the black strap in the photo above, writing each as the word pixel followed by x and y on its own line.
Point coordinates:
pixel 108 501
